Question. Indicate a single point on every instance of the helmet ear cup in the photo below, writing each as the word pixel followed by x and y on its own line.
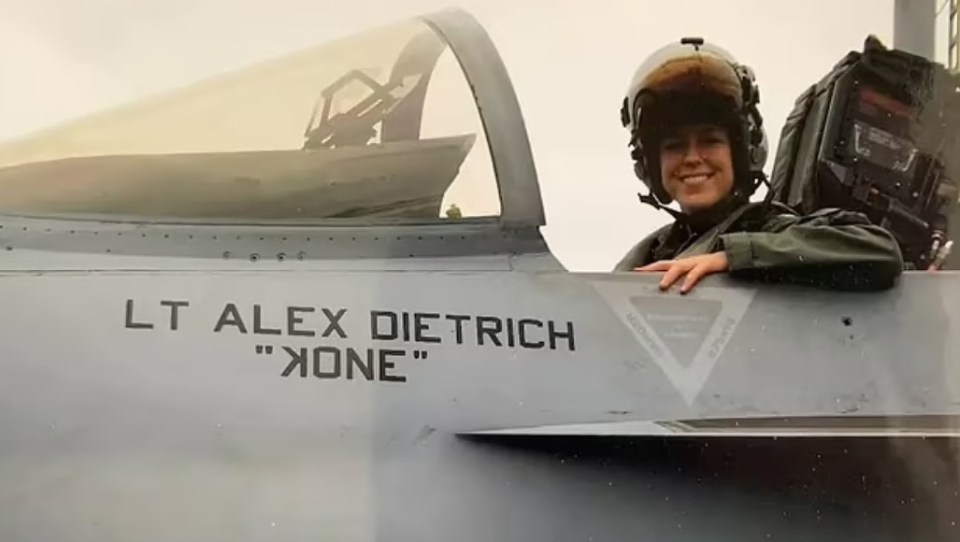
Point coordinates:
pixel 757 145
pixel 758 149
pixel 639 163
pixel 649 174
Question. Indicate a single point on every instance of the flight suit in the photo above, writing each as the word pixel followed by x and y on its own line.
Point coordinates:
pixel 769 242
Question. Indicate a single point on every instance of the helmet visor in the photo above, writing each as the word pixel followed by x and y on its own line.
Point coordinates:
pixel 685 70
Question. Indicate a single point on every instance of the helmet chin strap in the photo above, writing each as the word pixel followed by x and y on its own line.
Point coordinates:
pixel 736 194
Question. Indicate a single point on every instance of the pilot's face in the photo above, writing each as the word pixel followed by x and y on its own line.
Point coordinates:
pixel 696 166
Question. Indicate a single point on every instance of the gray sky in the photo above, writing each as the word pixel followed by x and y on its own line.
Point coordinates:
pixel 569 60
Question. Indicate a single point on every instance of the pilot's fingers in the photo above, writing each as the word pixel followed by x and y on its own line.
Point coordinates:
pixel 694 276
pixel 677 270
pixel 662 265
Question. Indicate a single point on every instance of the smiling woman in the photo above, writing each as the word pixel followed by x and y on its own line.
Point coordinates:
pixel 698 139
pixel 696 166
pixel 382 126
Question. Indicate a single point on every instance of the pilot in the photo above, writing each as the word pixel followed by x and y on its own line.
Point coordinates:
pixel 697 139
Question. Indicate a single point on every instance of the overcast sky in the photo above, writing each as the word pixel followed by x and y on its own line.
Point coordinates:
pixel 569 60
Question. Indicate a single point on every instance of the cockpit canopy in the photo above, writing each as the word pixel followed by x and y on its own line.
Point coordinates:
pixel 384 126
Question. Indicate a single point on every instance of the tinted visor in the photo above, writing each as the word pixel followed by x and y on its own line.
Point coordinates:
pixel 683 69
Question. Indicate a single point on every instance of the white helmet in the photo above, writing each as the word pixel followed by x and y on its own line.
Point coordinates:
pixel 719 85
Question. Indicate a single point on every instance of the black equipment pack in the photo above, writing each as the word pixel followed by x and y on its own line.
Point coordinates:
pixel 879 135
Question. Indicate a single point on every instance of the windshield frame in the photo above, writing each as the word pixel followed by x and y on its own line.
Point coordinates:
pixel 496 100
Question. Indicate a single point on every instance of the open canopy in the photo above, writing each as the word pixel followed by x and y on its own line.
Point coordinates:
pixel 384 125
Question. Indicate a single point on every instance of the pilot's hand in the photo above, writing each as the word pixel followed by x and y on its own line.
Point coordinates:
pixel 694 267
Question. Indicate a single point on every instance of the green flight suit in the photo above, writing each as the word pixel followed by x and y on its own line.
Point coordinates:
pixel 769 242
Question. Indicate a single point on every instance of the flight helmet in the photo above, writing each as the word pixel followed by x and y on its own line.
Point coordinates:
pixel 693 81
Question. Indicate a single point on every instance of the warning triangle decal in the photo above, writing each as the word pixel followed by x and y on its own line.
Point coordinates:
pixel 684 335
pixel 681 324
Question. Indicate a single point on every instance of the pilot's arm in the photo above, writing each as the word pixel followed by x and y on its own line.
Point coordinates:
pixel 831 248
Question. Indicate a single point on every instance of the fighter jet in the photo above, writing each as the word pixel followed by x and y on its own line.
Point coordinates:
pixel 310 300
